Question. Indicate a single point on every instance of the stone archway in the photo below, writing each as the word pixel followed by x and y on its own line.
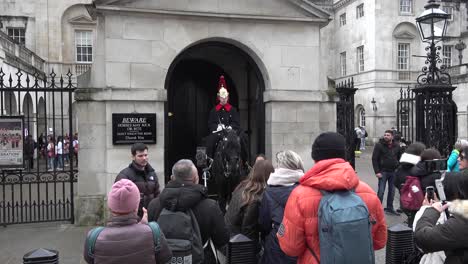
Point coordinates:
pixel 191 85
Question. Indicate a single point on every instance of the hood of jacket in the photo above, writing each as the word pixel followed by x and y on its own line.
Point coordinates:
pixel 284 177
pixel 181 196
pixel 331 175
pixel 459 207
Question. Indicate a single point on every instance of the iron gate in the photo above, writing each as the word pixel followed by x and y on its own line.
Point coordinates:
pixel 345 117
pixel 406 113
pixel 41 189
pixel 436 117
pixel 429 115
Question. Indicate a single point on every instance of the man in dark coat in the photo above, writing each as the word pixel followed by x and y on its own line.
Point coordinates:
pixel 142 174
pixel 29 146
pixel 183 192
pixel 385 161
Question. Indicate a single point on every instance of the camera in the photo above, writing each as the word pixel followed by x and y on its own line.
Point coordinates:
pixel 201 157
pixel 435 165
pixel 430 193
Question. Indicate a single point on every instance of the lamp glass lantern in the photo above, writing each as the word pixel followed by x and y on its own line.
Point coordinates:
pixel 432 23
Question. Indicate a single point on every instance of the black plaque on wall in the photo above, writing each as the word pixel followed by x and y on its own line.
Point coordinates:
pixel 132 128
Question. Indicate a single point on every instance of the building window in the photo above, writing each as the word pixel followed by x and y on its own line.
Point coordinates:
pixel 360 58
pixel 403 61
pixel 447 55
pixel 343 63
pixel 84 46
pixel 360 11
pixel 362 115
pixel 406 6
pixel 343 19
pixel 449 11
pixel 17 34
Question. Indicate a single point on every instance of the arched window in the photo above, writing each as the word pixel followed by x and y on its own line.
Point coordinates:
pixel 362 117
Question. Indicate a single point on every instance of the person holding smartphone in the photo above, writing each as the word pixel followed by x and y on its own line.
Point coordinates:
pixel 452 235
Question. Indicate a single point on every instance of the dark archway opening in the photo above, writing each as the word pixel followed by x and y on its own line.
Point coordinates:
pixel 191 85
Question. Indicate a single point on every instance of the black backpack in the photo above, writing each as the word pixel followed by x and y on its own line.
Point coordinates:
pixel 183 236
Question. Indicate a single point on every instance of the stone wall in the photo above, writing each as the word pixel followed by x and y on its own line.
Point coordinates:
pixel 135 49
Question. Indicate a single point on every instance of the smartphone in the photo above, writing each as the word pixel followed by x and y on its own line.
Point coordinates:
pixel 440 189
pixel 430 193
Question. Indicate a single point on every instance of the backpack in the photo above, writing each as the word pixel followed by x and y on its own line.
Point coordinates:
pixel 411 194
pixel 344 227
pixel 182 235
pixel 93 235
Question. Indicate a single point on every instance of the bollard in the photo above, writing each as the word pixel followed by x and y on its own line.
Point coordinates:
pixel 41 256
pixel 400 243
pixel 241 249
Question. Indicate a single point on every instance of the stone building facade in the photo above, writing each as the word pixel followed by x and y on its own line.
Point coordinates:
pixel 145 50
pixel 377 43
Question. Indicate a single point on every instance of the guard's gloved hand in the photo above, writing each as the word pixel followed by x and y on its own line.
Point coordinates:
pixel 219 128
pixel 229 127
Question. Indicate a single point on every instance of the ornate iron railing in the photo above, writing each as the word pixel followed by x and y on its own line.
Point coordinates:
pixel 345 116
pixel 42 188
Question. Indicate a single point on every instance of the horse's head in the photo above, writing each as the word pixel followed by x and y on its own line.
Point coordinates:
pixel 231 152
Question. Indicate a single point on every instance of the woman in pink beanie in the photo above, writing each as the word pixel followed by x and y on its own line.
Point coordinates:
pixel 124 240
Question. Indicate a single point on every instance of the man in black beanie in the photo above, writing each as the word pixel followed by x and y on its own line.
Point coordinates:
pixel 331 172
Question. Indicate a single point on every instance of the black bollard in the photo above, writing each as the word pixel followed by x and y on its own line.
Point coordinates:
pixel 400 243
pixel 41 256
pixel 241 249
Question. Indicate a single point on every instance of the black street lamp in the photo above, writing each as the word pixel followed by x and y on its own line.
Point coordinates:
pixel 432 25
pixel 436 119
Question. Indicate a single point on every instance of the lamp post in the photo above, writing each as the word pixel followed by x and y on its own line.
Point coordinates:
pixel 432 25
pixel 435 109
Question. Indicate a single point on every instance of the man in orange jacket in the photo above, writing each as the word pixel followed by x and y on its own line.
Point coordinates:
pixel 299 229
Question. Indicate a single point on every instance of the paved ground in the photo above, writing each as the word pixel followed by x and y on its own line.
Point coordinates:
pixel 17 240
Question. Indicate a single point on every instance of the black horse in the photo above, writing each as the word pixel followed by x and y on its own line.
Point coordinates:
pixel 226 166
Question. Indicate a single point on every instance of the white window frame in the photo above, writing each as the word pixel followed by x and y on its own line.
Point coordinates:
pixel 343 19
pixel 362 117
pixel 403 56
pixel 406 7
pixel 360 11
pixel 360 58
pixel 343 63
pixel 83 41
pixel 447 55
pixel 18 34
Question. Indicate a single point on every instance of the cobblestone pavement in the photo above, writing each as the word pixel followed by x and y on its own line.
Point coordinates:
pixel 17 240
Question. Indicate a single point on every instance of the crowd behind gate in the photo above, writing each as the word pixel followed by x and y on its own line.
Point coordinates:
pixel 287 210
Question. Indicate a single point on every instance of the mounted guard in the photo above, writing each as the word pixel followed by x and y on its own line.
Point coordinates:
pixel 224 116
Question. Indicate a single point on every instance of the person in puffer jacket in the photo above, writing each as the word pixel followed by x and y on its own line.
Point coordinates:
pixel 451 236
pixel 124 239
pixel 299 228
pixel 289 170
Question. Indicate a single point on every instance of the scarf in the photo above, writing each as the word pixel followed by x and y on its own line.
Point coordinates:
pixel 285 177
